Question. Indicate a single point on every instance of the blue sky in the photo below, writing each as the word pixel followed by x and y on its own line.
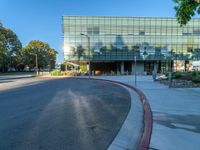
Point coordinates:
pixel 41 19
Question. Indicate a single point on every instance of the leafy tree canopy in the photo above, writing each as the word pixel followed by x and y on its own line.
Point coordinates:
pixel 10 47
pixel 186 9
pixel 46 55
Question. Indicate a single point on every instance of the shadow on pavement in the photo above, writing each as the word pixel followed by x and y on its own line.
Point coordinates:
pixel 186 122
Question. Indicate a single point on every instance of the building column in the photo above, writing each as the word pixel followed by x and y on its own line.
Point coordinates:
pixel 140 67
pixel 186 64
pixel 122 68
pixel 155 67
pixel 132 67
pixel 155 70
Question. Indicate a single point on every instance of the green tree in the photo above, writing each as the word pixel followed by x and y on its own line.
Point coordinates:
pixel 46 55
pixel 10 49
pixel 186 9
pixel 63 67
pixel 2 48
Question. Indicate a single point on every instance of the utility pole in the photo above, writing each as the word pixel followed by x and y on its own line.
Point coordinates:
pixel 36 63
pixel 135 71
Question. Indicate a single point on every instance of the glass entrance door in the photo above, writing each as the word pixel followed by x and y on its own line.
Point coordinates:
pixel 148 67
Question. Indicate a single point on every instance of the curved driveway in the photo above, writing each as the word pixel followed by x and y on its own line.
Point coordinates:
pixel 62 114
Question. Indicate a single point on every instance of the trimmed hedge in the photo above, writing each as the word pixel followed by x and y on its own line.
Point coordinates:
pixel 195 73
pixel 196 79
pixel 177 75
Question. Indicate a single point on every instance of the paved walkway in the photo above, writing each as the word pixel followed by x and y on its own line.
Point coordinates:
pixel 176 113
pixel 19 82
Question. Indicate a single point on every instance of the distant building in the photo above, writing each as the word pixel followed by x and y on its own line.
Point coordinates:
pixel 156 43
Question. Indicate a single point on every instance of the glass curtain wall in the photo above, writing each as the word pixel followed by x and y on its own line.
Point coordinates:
pixel 123 38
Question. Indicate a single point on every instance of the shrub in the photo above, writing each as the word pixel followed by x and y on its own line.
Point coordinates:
pixel 83 68
pixel 194 73
pixel 62 67
pixel 196 79
pixel 187 76
pixel 56 73
pixel 70 73
pixel 177 75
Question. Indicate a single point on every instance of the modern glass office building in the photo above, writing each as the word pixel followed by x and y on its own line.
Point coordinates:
pixel 112 44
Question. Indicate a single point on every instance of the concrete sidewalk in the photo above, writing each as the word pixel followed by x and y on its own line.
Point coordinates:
pixel 130 134
pixel 176 113
pixel 7 83
pixel 9 77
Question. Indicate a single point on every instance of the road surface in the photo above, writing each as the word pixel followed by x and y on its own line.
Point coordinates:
pixel 62 114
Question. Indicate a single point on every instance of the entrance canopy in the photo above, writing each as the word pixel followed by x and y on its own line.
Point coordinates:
pixel 73 64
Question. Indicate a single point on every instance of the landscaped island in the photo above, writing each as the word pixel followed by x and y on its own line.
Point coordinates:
pixel 184 80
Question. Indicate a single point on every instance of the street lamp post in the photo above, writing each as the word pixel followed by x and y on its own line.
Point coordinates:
pixel 135 70
pixel 88 38
pixel 170 70
pixel 170 74
pixel 36 63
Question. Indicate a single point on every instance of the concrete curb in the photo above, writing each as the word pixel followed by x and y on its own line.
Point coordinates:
pixel 148 121
pixel 53 77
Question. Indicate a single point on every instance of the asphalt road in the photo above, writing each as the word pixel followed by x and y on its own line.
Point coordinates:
pixel 62 114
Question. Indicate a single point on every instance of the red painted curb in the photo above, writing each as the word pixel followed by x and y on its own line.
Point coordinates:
pixel 148 120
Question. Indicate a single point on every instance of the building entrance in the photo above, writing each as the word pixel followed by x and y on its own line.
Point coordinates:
pixel 160 66
pixel 148 67
pixel 127 67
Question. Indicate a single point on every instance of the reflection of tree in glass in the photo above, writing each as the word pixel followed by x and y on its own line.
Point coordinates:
pixel 109 48
pixel 119 42
pixel 79 51
pixel 72 50
pixel 196 54
pixel 97 47
pixel 125 48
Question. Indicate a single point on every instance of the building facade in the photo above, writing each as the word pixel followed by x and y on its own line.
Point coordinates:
pixel 112 44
